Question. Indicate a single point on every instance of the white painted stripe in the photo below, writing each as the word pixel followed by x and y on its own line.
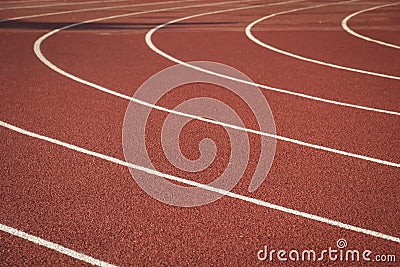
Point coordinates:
pixel 203 186
pixel 259 42
pixel 63 4
pixel 53 246
pixel 42 58
pixel 94 9
pixel 346 27
pixel 27 1
pixel 314 98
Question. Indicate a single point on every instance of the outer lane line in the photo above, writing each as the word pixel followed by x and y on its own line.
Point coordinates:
pixel 63 4
pixel 346 27
pixel 259 42
pixel 94 9
pixel 200 185
pixel 53 246
pixel 39 54
pixel 314 98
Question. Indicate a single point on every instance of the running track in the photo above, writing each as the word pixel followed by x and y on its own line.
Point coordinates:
pixel 329 70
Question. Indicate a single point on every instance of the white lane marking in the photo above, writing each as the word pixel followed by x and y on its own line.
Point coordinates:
pixel 346 27
pixel 203 186
pixel 27 1
pixel 314 98
pixel 39 54
pixel 93 9
pixel 53 246
pixel 63 4
pixel 259 42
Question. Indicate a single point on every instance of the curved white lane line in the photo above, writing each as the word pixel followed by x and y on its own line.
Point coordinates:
pixel 259 42
pixel 315 98
pixel 63 4
pixel 94 9
pixel 53 246
pixel 39 54
pixel 346 27
pixel 203 186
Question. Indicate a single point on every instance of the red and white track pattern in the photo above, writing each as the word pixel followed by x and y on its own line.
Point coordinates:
pixel 330 72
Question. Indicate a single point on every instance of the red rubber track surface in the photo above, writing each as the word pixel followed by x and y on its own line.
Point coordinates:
pixel 95 207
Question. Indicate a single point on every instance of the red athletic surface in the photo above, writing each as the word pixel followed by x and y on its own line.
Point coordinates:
pixel 95 207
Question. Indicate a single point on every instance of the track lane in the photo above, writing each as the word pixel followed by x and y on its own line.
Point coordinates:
pixel 44 243
pixel 59 4
pixel 157 255
pixel 196 184
pixel 87 9
pixel 311 97
pixel 148 37
pixel 26 1
pixel 334 84
pixel 20 251
pixel 346 27
pixel 86 132
pixel 83 223
pixel 313 59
